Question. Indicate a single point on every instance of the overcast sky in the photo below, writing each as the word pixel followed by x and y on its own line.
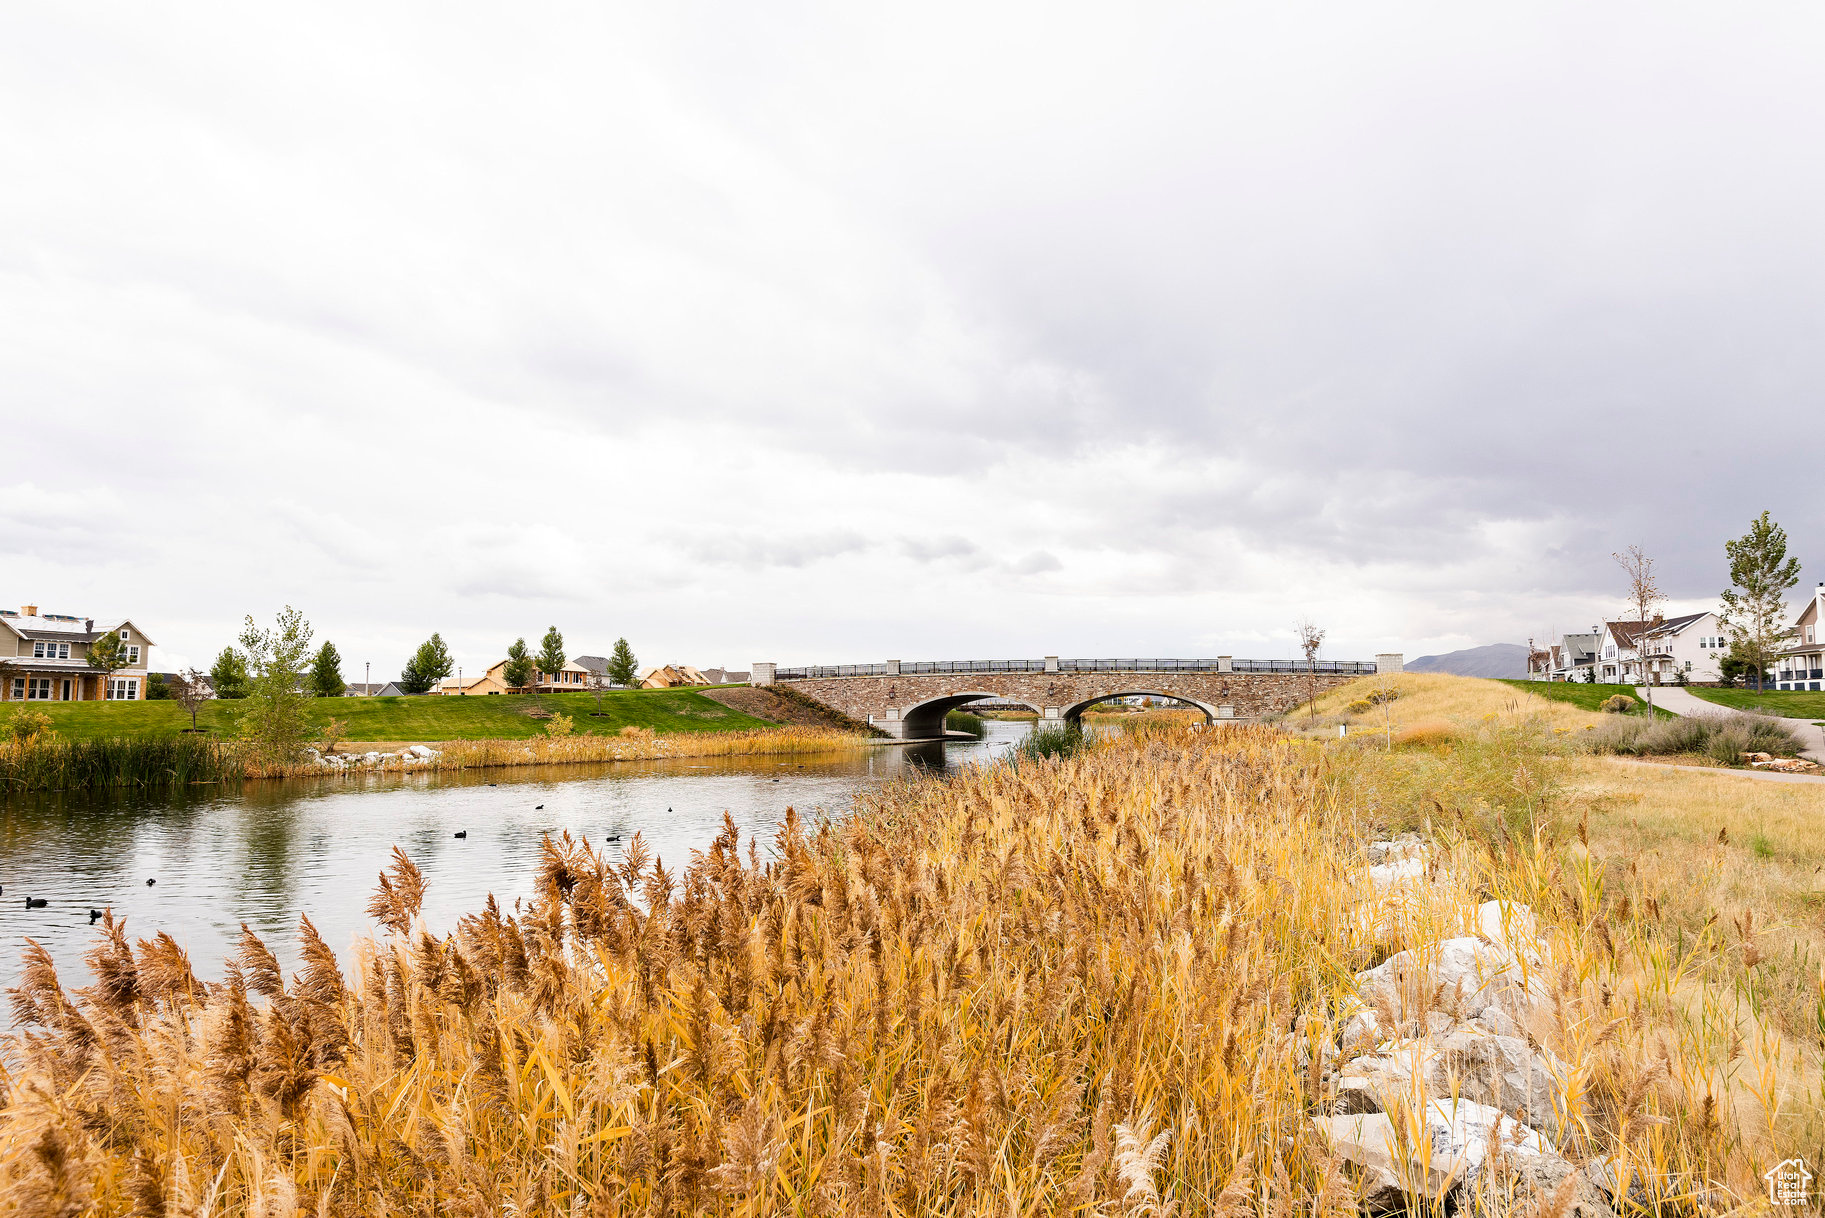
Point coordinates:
pixel 830 332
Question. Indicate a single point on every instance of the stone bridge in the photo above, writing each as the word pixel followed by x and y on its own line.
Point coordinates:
pixel 909 700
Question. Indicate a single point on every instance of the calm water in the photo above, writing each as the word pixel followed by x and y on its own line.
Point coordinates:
pixel 275 850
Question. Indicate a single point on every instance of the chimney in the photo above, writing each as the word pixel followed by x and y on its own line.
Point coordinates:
pixel 29 610
pixel 88 626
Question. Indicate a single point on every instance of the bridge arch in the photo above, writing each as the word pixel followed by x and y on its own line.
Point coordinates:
pixel 925 720
pixel 1075 712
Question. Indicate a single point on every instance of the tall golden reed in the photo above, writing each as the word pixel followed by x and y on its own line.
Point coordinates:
pixel 1062 987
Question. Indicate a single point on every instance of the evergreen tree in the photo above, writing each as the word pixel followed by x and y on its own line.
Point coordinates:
pixel 228 675
pixel 623 669
pixel 326 673
pixel 1755 609
pixel 430 664
pixel 276 721
pixel 551 653
pixel 519 666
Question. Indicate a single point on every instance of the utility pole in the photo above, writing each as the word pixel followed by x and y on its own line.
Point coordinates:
pixel 461 690
pixel 367 679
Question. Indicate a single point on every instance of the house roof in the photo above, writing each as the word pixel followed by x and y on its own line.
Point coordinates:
pixel 28 664
pixel 595 664
pixel 1627 632
pixel 66 627
pixel 1674 625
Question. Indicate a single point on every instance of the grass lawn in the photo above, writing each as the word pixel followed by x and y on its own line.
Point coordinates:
pixel 1585 697
pixel 499 717
pixel 1788 704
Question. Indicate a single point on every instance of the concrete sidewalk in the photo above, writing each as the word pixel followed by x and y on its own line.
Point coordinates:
pixel 1681 702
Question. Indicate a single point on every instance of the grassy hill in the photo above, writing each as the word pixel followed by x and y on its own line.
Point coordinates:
pixel 1585 697
pixel 503 717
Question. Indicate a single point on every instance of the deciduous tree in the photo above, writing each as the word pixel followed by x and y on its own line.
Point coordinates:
pixel 326 672
pixel 191 689
pixel 276 721
pixel 1754 610
pixel 107 656
pixel 430 664
pixel 228 675
pixel 1311 638
pixel 1644 598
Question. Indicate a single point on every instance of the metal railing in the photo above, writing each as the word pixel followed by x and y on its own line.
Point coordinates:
pixel 923 667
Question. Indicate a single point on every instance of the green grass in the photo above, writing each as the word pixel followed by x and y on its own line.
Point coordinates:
pixel 1585 697
pixel 1787 704
pixel 501 717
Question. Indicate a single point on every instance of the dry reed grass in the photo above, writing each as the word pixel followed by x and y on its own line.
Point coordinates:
pixel 1062 987
pixel 632 744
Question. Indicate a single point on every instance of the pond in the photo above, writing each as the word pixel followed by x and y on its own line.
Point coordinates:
pixel 274 850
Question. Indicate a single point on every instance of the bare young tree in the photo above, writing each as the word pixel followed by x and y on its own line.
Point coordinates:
pixel 191 690
pixel 1311 638
pixel 1644 598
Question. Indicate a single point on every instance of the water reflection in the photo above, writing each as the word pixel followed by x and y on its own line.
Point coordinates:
pixel 271 851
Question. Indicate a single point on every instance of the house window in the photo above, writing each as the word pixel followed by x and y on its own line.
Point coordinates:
pixel 133 654
pixel 1688 666
pixel 38 689
pixel 126 636
pixel 18 688
pixel 50 651
pixel 123 689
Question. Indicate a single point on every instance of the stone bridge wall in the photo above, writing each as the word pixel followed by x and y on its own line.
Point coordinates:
pixel 913 706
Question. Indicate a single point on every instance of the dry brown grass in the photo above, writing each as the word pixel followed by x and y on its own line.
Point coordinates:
pixel 1466 701
pixel 1060 987
pixel 632 744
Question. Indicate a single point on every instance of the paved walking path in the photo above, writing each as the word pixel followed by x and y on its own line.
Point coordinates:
pixel 1761 775
pixel 1682 702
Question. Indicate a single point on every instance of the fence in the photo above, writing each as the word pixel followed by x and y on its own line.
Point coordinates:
pixel 919 667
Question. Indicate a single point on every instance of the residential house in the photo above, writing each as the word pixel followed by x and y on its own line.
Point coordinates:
pixel 572 678
pixel 724 676
pixel 44 657
pixel 361 690
pixel 1618 660
pixel 469 687
pixel 1687 647
pixel 1541 662
pixel 392 689
pixel 1575 655
pixel 1801 664
pixel 670 676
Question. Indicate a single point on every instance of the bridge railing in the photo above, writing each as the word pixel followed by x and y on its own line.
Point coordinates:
pixel 920 667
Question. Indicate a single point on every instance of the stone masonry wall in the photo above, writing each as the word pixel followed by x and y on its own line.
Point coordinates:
pixel 1251 695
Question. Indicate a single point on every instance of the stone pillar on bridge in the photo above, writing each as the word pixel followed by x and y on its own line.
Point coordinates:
pixel 763 672
pixel 1051 663
pixel 1390 661
pixel 1224 664
pixel 893 668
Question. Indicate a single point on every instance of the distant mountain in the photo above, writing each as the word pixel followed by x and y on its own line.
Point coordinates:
pixel 1495 660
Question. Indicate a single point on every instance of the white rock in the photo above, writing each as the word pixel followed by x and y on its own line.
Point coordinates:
pixel 421 752
pixel 1507 922
pixel 1467 1062
pixel 371 757
pixel 1452 1146
pixel 1459 976
pixel 1408 870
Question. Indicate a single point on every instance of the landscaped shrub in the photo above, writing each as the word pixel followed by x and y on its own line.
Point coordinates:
pixel 1618 704
pixel 1361 706
pixel 1723 738
pixel 1383 695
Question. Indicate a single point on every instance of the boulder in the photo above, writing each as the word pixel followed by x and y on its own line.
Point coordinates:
pixel 421 752
pixel 371 757
pixel 1468 1062
pixel 1448 1144
pixel 1460 977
